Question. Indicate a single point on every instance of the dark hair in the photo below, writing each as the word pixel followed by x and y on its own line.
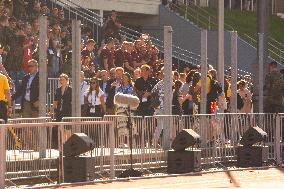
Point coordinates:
pixel 196 78
pixel 189 76
pixel 273 64
pixel 129 78
pixel 178 85
pixel 109 40
pixel 97 88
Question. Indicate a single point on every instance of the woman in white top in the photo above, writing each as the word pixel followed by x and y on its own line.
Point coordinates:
pixel 94 99
pixel 246 97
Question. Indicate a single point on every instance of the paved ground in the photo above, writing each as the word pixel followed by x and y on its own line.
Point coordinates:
pixel 266 178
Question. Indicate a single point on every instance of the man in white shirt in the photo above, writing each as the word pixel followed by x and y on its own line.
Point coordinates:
pixel 84 89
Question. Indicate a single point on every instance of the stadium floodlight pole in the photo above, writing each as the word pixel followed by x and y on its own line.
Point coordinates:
pixel 234 70
pixel 76 68
pixel 168 81
pixel 43 82
pixel 220 42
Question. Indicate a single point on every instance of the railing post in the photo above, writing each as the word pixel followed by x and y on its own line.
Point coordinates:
pixel 112 146
pixel 60 158
pixel 2 156
pixel 278 138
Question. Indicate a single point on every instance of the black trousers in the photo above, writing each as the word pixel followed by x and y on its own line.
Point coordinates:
pixel 3 111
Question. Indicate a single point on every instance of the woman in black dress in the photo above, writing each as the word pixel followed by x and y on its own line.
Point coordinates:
pixel 63 99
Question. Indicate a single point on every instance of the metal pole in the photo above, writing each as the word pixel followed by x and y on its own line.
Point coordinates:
pixel 43 82
pixel 241 5
pixel 60 158
pixel 76 68
pixel 220 49
pixel 230 4
pixel 234 70
pixel 112 146
pixel 278 140
pixel 261 70
pixel 168 80
pixel 185 14
pixel 42 65
pixel 203 51
pixel 2 156
pixel 262 52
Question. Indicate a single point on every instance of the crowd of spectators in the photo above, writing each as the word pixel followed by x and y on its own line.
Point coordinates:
pixel 115 65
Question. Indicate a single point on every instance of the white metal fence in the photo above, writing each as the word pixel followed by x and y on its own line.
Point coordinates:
pixel 27 159
pixel 220 135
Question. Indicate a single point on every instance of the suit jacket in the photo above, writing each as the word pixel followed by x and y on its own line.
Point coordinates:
pixel 101 82
pixel 111 92
pixel 34 89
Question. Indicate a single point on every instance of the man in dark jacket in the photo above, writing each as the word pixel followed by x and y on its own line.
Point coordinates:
pixel 29 91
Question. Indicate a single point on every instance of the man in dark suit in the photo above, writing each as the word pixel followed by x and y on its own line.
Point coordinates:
pixel 29 91
pixel 103 82
pixel 111 89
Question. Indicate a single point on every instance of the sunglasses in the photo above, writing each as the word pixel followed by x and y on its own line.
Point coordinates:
pixel 92 82
pixel 30 66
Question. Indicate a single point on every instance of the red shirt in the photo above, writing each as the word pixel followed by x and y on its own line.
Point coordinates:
pixel 119 58
pixel 28 52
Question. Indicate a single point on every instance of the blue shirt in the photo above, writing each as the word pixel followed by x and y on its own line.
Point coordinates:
pixel 28 89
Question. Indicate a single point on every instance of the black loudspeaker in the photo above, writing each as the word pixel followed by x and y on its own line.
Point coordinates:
pixel 253 135
pixel 185 139
pixel 79 169
pixel 77 144
pixel 183 161
pixel 252 156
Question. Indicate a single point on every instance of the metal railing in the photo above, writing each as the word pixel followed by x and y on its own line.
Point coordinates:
pixel 272 49
pixel 220 135
pixel 25 162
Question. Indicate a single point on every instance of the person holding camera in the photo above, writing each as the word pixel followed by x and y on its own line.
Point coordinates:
pixel 94 99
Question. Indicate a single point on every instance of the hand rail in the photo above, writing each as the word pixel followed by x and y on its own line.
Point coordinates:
pixel 274 40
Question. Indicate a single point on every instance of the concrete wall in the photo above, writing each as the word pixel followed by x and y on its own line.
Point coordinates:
pixel 136 6
pixel 187 36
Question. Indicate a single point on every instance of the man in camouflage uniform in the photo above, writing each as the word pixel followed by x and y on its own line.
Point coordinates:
pixel 274 90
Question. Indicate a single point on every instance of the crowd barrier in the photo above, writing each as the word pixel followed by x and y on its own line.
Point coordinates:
pixel 37 156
